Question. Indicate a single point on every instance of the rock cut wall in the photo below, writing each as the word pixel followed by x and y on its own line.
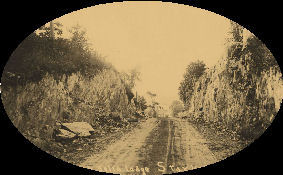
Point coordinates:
pixel 243 92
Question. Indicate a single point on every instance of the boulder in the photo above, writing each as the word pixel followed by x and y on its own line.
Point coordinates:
pixel 64 134
pixel 82 129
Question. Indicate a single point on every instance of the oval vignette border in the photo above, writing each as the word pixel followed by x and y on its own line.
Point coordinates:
pixel 268 133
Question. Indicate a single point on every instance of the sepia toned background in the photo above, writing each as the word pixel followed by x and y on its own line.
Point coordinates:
pixel 142 88
pixel 158 40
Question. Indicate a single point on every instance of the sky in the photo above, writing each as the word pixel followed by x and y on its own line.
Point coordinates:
pixel 158 39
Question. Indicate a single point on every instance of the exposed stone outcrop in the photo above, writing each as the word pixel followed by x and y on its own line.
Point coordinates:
pixel 237 93
pixel 64 134
pixel 82 129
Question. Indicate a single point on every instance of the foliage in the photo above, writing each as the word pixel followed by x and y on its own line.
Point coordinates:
pixel 193 72
pixel 236 32
pixel 36 107
pixel 45 31
pixel 151 94
pixel 53 79
pixel 39 54
pixel 152 108
pixel 261 59
pixel 176 107
pixel 140 103
pixel 129 80
pixel 242 93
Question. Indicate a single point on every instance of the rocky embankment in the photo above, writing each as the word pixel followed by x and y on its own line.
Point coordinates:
pixel 242 93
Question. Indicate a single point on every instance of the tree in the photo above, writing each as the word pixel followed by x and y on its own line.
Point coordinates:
pixel 40 53
pixel 236 32
pixel 176 107
pixel 152 96
pixel 129 79
pixel 140 103
pixel 50 31
pixel 79 38
pixel 193 72
pixel 261 59
pixel 154 104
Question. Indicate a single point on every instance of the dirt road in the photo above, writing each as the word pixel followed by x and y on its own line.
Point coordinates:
pixel 157 146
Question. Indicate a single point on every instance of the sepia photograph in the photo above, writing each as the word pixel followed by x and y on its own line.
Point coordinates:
pixel 141 88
